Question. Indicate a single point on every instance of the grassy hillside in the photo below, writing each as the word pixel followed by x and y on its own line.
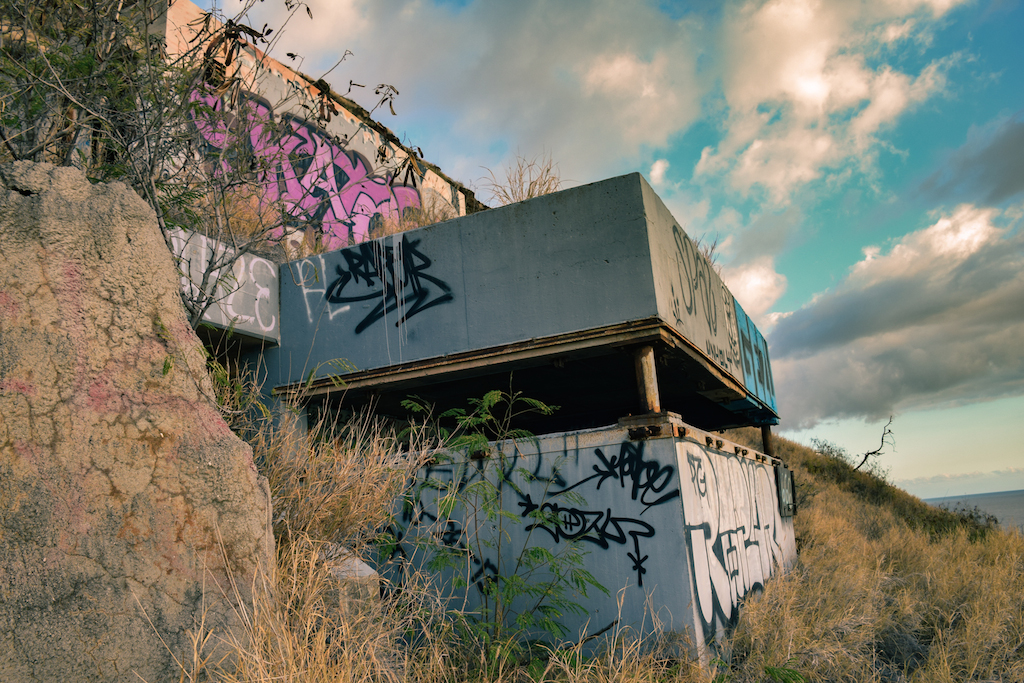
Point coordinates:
pixel 887 588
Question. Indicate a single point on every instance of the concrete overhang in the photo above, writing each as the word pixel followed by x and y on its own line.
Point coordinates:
pixel 559 292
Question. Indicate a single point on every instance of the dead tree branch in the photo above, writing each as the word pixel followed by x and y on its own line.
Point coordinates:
pixel 888 439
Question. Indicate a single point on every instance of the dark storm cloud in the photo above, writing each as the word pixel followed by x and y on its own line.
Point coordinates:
pixel 938 320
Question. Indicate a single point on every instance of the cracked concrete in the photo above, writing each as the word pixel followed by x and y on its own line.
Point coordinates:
pixel 128 509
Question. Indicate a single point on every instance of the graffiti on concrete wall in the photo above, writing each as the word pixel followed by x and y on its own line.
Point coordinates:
pixel 733 528
pixel 702 305
pixel 536 489
pixel 647 479
pixel 244 299
pixel 694 291
pixel 308 172
pixel 394 276
pixel 600 527
pixel 705 311
pixel 648 482
pixel 391 271
pixel 757 370
pixel 699 526
pixel 422 515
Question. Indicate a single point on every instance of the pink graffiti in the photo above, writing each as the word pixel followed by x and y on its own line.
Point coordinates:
pixel 314 179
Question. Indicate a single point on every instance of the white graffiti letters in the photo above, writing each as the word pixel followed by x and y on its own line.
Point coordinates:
pixel 245 297
pixel 733 528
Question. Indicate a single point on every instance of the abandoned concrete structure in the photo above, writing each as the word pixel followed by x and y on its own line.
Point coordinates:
pixel 593 299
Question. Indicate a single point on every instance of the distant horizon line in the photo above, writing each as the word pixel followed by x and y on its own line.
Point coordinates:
pixel 972 495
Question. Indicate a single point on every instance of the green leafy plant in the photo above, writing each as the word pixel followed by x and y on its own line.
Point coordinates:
pixel 720 668
pixel 529 588
pixel 784 674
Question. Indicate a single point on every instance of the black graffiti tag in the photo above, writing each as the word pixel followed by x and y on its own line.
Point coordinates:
pixel 599 527
pixel 647 478
pixel 395 276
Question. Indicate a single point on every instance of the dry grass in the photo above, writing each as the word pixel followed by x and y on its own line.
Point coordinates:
pixel 433 210
pixel 303 243
pixel 237 216
pixel 524 179
pixel 309 625
pixel 337 483
pixel 886 589
pixel 708 248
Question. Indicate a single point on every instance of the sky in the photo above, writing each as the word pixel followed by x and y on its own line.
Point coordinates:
pixel 860 164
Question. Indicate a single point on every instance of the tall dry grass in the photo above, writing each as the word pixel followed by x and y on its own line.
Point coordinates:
pixel 432 210
pixel 886 589
pixel 524 179
pixel 338 481
pixel 333 486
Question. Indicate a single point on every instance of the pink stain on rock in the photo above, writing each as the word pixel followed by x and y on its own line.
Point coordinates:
pixel 30 454
pixel 9 308
pixel 118 474
pixel 17 386
pixel 103 396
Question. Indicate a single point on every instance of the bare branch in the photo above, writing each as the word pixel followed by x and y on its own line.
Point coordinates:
pixel 888 439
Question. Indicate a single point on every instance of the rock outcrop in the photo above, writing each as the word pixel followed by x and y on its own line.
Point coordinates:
pixel 129 512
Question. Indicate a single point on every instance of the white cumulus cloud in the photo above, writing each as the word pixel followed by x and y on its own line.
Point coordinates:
pixel 805 94
pixel 658 169
pixel 588 83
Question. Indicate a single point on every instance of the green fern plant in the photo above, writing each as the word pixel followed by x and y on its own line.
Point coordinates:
pixel 531 590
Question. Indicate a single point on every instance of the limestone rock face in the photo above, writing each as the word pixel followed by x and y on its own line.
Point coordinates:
pixel 128 509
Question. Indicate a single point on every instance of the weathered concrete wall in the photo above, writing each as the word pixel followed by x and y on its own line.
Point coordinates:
pixel 593 256
pixel 338 174
pixel 694 299
pixel 757 369
pixel 128 509
pixel 245 297
pixel 735 528
pixel 556 264
pixel 673 526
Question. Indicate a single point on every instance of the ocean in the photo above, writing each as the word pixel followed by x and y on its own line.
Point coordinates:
pixel 1008 506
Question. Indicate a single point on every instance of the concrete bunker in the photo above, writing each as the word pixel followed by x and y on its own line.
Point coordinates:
pixel 595 300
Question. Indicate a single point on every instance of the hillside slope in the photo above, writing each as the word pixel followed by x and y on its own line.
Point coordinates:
pixel 887 588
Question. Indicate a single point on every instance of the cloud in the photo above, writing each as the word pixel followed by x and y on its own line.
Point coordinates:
pixel 946 478
pixel 808 90
pixel 751 274
pixel 808 86
pixel 988 169
pixel 658 169
pixel 936 320
pixel 588 83
pixel 757 286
